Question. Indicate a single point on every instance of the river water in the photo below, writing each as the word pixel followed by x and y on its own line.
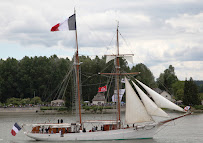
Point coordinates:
pixel 185 130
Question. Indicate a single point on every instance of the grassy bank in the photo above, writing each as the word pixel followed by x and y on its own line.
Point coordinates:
pixel 43 108
pixel 95 108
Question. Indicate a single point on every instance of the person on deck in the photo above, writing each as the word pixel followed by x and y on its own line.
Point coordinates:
pixel 46 129
pixel 61 133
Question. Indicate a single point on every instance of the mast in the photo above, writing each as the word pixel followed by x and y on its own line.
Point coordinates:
pixel 117 79
pixel 118 74
pixel 77 73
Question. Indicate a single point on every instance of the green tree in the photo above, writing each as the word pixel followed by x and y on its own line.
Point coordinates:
pixel 25 78
pixel 200 87
pixel 9 81
pixel 166 79
pixel 25 101
pixel 36 100
pixel 145 75
pixel 178 89
pixel 201 96
pixel 191 96
pixel 13 101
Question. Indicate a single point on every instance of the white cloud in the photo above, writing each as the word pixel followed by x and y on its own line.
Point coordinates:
pixel 187 23
pixel 183 69
pixel 159 33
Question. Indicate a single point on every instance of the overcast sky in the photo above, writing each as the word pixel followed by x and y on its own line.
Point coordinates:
pixel 159 32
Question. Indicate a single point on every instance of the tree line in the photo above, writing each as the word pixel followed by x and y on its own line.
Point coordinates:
pixel 23 78
pixel 41 76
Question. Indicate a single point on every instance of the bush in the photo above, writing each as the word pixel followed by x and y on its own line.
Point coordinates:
pixel 100 108
pixel 13 101
pixel 94 108
pixel 87 108
pixel 53 108
pixel 198 107
pixel 201 96
pixel 108 107
pixel 25 101
pixel 36 100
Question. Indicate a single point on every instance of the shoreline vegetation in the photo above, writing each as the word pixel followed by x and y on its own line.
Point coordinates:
pixel 86 109
pixel 36 80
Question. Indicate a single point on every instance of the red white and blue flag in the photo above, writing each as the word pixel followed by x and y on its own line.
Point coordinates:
pixel 69 23
pixel 102 89
pixel 16 128
pixel 187 108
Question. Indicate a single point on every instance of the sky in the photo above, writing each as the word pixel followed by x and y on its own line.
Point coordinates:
pixel 158 32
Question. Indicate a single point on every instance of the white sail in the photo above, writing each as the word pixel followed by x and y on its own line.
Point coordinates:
pixel 160 100
pixel 151 107
pixel 115 96
pixel 135 110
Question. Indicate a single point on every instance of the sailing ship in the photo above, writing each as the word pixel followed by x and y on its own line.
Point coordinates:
pixel 139 122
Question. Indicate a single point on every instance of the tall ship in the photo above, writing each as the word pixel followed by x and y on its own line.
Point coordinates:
pixel 140 108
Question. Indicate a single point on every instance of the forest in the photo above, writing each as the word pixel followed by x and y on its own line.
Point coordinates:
pixel 42 77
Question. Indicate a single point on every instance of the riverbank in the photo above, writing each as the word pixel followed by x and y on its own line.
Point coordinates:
pixel 83 111
pixel 37 110
pixel 20 109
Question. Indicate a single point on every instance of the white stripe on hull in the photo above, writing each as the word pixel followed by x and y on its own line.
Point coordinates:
pixel 120 134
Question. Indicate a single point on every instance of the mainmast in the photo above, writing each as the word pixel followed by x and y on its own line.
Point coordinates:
pixel 118 74
pixel 77 74
pixel 117 79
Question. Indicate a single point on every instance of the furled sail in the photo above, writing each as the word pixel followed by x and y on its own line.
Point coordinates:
pixel 110 57
pixel 127 57
pixel 160 100
pixel 151 107
pixel 135 110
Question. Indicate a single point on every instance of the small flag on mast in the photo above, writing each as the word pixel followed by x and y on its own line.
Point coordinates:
pixel 16 128
pixel 69 23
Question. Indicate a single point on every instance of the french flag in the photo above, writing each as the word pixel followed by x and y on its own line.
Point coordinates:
pixel 187 108
pixel 16 128
pixel 69 23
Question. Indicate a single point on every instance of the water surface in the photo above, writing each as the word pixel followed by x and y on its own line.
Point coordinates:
pixel 185 130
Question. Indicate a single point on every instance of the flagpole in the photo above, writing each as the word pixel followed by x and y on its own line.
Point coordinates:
pixel 77 70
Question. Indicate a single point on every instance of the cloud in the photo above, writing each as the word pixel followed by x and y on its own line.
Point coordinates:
pixel 187 23
pixel 159 32
pixel 183 69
